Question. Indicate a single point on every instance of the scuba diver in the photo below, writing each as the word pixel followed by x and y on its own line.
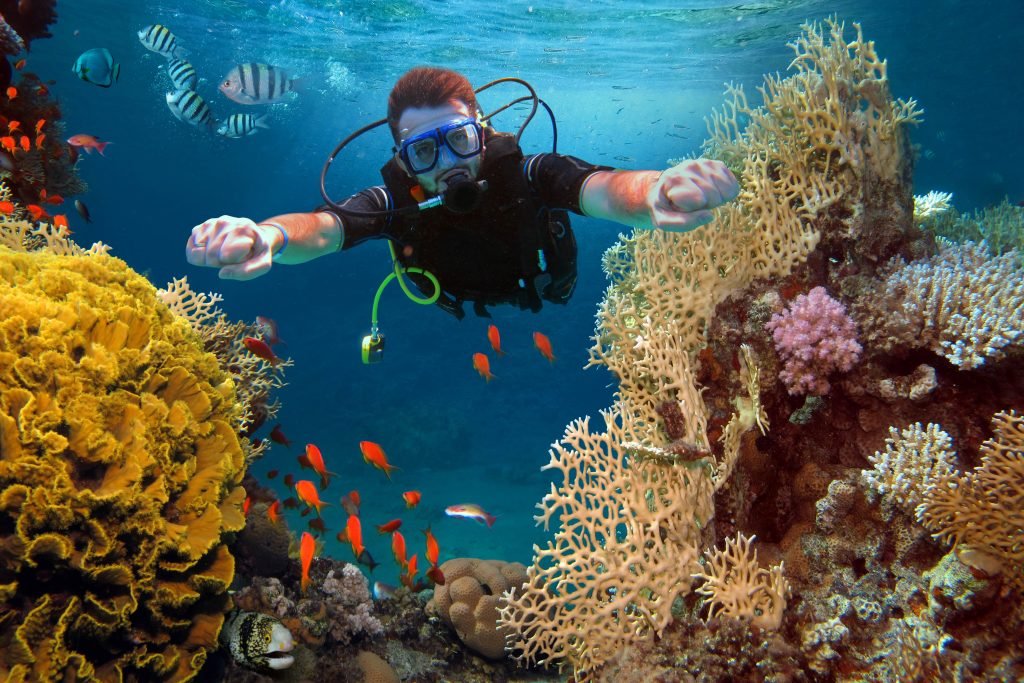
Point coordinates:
pixel 468 216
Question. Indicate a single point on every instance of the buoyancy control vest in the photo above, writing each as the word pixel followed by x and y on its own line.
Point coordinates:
pixel 509 249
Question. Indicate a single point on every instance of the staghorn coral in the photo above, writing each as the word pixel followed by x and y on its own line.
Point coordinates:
pixel 914 459
pixel 119 472
pixel 982 509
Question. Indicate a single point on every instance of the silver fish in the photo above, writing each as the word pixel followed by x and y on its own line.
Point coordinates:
pixel 97 66
pixel 159 39
pixel 83 210
pixel 254 83
pixel 182 74
pixel 188 106
pixel 240 125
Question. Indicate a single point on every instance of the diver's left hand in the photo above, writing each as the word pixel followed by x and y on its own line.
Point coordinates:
pixel 682 198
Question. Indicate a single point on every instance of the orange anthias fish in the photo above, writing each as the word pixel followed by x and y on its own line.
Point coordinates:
pixel 470 511
pixel 246 504
pixel 306 549
pixel 482 365
pixel 433 549
pixel 436 575
pixel 316 461
pixel 36 211
pixel 354 529
pixel 26 144
pixel 410 572
pixel 12 92
pixel 543 344
pixel 411 498
pixel 308 494
pixel 398 547
pixel 374 455
pixel 258 347
pixel 274 512
pixel 88 143
pixel 8 143
pixel 495 338
pixel 6 207
pixel 388 527
pixel 60 221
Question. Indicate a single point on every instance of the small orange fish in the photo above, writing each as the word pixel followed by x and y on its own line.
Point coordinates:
pixel 39 124
pixel 54 199
pixel 342 536
pixel 354 529
pixel 398 547
pixel 411 498
pixel 12 92
pixel 316 461
pixel 60 221
pixel 409 576
pixel 374 455
pixel 308 494
pixel 274 512
pixel 39 139
pixel 388 527
pixel 246 504
pixel 543 345
pixel 35 211
pixel 6 207
pixel 259 348
pixel 495 338
pixel 482 365
pixel 433 549
pixel 8 143
pixel 13 126
pixel 306 549
pixel 20 64
pixel 88 143
pixel 26 144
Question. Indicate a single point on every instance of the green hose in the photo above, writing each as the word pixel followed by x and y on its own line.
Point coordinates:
pixel 397 273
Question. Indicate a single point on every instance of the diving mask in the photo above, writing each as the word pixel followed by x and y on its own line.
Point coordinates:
pixel 464 138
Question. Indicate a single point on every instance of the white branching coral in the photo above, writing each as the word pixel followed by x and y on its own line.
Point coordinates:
pixel 962 304
pixel 18 233
pixel 914 458
pixel 983 509
pixel 735 586
pixel 931 204
pixel 196 307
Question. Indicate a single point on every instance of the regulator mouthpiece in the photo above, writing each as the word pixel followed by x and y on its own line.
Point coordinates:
pixel 463 195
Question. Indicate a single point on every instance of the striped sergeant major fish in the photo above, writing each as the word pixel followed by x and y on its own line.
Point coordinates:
pixel 240 125
pixel 257 84
pixel 188 106
pixel 159 39
pixel 182 74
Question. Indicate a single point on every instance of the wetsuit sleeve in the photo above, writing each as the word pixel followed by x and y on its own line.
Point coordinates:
pixel 557 179
pixel 358 229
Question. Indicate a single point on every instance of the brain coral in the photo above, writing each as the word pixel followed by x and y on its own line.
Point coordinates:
pixel 119 474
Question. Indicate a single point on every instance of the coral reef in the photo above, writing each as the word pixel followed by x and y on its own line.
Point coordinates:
pixel 686 457
pixel 120 472
pixel 468 601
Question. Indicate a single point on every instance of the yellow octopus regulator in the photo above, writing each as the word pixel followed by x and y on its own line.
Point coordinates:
pixel 120 474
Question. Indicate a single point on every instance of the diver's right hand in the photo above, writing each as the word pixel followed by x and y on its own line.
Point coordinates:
pixel 241 248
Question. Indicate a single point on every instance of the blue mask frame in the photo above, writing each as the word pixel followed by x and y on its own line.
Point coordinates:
pixel 439 136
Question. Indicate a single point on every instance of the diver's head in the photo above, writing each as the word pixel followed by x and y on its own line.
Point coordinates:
pixel 433 117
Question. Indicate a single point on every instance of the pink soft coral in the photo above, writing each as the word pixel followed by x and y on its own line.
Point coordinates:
pixel 814 337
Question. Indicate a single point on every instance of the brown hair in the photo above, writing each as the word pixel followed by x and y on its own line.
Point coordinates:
pixel 428 86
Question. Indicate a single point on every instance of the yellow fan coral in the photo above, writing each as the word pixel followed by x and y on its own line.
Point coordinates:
pixel 119 475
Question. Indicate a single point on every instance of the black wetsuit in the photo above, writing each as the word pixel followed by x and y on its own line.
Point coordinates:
pixel 515 247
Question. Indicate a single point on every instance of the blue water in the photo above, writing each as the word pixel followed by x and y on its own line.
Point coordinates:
pixel 630 82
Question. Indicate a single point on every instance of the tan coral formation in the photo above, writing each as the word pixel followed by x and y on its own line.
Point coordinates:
pixel 469 599
pixel 119 472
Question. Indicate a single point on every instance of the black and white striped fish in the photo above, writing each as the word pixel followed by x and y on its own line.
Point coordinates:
pixel 188 106
pixel 254 83
pixel 182 74
pixel 240 125
pixel 159 39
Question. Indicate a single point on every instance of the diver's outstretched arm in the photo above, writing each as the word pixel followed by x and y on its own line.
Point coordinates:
pixel 679 199
pixel 243 249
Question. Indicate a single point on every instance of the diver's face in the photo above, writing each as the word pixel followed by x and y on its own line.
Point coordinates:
pixel 418 120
